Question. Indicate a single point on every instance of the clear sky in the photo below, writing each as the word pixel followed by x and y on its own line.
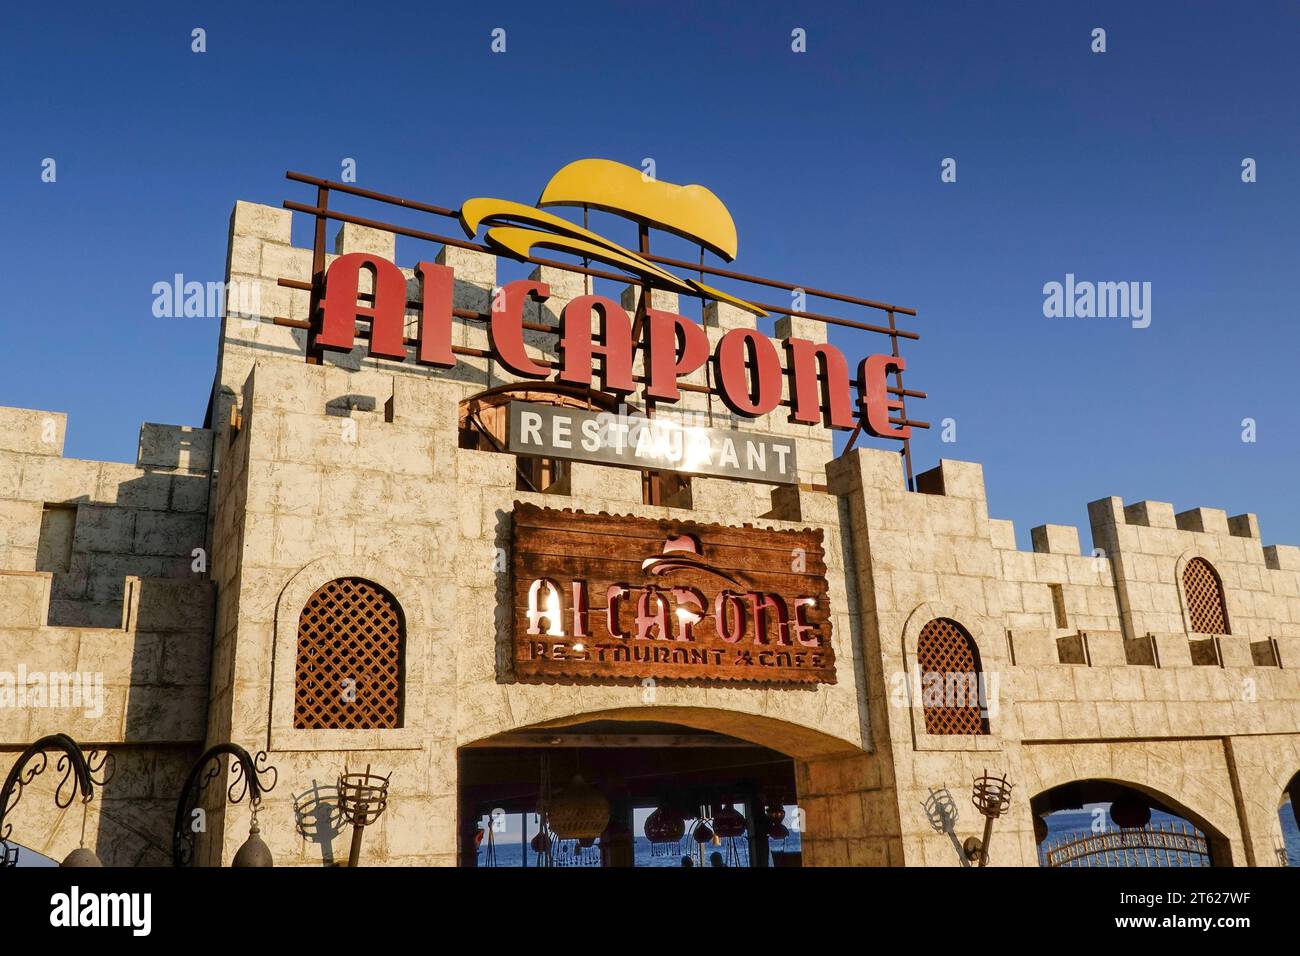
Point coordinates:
pixel 1118 166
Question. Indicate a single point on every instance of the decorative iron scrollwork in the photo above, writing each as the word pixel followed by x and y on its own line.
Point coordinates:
pixel 79 776
pixel 251 777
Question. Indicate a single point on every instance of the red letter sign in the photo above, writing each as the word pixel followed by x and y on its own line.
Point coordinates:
pixel 806 373
pixel 387 316
pixel 736 347
pixel 435 315
pixel 508 326
pixel 662 359
pixel 577 353
pixel 874 395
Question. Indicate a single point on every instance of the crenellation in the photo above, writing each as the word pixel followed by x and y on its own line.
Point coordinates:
pixel 287 262
pixel 724 317
pixel 1203 520
pixel 1055 539
pixel 1244 526
pixel 262 222
pixel 351 237
pixel 1002 534
pixel 1282 557
pixel 353 468
pixel 1150 514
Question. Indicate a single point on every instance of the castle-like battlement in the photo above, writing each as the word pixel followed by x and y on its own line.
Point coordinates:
pixel 1167 654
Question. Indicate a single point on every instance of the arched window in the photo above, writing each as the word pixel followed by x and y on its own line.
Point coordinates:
pixel 951 682
pixel 1204 593
pixel 351 646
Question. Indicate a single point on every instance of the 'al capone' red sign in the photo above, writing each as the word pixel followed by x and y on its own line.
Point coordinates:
pixel 748 367
pixel 596 596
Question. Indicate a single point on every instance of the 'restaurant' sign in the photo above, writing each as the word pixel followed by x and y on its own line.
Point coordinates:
pixel 600 597
pixel 634 441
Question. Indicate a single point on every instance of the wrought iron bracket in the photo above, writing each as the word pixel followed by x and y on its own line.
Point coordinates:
pixel 249 774
pixel 80 776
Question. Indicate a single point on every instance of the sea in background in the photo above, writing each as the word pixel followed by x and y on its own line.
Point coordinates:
pixel 1067 824
pixel 644 853
pixel 1063 824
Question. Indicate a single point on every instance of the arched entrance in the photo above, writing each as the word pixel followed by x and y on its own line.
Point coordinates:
pixel 1117 823
pixel 646 787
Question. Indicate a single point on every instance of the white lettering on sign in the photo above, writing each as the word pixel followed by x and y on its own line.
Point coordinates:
pixel 634 441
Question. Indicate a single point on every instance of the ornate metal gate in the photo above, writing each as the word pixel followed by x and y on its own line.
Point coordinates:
pixel 1174 843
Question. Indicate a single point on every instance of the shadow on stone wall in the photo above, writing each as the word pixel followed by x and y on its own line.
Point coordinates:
pixel 152 531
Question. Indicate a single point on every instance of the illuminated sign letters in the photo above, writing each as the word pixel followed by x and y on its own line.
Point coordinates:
pixel 600 598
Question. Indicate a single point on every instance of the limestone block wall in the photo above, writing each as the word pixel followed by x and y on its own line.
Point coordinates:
pixel 850 812
pixel 93 523
pixel 921 556
pixel 1071 694
pixel 1193 776
pixel 129 822
pixel 313 489
pixel 1149 545
pixel 102 606
pixel 1263 766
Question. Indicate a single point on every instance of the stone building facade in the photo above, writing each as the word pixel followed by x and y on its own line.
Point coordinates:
pixel 181 580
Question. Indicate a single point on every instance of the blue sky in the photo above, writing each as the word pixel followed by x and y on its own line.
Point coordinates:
pixel 1122 166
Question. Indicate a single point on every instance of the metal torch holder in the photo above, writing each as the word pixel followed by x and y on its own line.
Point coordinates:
pixel 363 797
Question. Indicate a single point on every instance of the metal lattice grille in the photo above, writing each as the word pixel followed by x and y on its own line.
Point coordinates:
pixel 1204 598
pixel 1175 843
pixel 349 665
pixel 950 679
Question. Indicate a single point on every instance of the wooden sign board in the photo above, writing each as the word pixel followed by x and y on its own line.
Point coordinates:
pixel 599 598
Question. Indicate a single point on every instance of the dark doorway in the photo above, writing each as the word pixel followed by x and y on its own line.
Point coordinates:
pixel 646 793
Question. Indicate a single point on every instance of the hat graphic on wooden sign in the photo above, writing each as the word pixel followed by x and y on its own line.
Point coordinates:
pixel 682 553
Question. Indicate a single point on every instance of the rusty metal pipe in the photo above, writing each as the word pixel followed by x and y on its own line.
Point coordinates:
pixel 570 267
pixel 661 260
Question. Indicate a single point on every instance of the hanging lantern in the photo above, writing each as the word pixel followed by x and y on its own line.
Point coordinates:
pixel 81 857
pixel 579 811
pixel 730 829
pixel 664 829
pixel 728 822
pixel 702 833
pixel 776 813
pixel 1130 811
pixel 777 831
pixel 254 852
